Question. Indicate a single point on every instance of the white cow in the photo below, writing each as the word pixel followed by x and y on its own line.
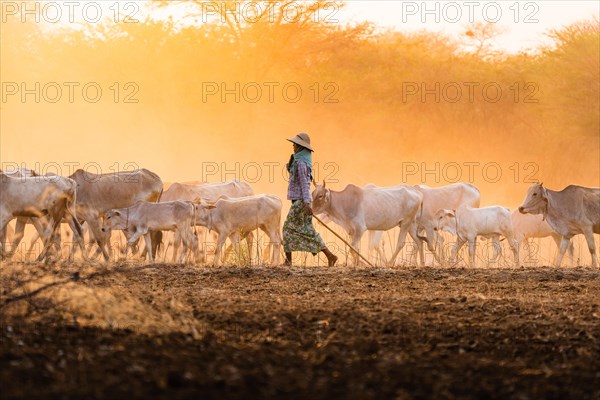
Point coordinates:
pixel 533 226
pixel 573 210
pixel 210 192
pixel 144 217
pixel 234 217
pixel 372 208
pixel 20 223
pixel 98 193
pixel 37 197
pixel 450 197
pixel 467 223
pixel 207 191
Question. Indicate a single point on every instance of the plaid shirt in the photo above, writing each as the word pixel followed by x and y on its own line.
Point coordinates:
pixel 299 184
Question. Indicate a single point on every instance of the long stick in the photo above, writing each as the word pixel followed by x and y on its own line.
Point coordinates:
pixel 343 240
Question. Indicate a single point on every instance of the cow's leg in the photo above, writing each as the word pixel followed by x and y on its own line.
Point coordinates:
pixel 196 248
pixel 515 249
pixel 274 244
pixel 4 220
pixel 472 243
pixel 157 237
pixel 235 246
pixel 50 234
pixel 137 233
pixel 201 238
pixel 18 235
pixel 412 230
pixel 571 253
pixel 571 248
pixel 564 243
pixel 589 237
pixel 374 240
pixel 2 243
pixel 356 234
pixel 404 227
pixel 100 237
pixel 77 236
pixel 220 242
pixel 513 243
pixel 148 240
pixel 433 244
pixel 47 241
pixel 186 238
pixel 456 248
pixel 438 254
pixel 176 245
pixel 249 236
pixel 497 247
pixel 41 226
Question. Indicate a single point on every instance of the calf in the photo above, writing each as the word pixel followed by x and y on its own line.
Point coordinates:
pixel 235 217
pixel 144 217
pixel 467 223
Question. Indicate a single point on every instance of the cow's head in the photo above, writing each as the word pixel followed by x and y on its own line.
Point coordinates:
pixel 114 219
pixel 321 197
pixel 536 201
pixel 203 209
pixel 445 220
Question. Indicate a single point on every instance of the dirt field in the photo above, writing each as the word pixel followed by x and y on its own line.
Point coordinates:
pixel 174 332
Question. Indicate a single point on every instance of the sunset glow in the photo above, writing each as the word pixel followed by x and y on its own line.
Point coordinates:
pixel 306 199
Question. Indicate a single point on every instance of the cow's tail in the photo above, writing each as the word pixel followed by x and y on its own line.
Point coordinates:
pixel 194 218
pixel 68 210
pixel 421 238
pixel 76 223
pixel 160 195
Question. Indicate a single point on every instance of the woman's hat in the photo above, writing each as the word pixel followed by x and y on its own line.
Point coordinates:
pixel 302 139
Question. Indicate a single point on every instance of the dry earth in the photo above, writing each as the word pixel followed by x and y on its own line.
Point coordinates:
pixel 173 332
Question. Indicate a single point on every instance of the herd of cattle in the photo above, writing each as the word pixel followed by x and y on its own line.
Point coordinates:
pixel 134 202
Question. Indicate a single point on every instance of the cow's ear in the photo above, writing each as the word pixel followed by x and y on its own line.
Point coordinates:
pixel 323 183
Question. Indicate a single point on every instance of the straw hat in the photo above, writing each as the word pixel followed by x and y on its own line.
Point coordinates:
pixel 302 139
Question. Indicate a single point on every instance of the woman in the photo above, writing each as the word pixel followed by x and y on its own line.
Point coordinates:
pixel 298 231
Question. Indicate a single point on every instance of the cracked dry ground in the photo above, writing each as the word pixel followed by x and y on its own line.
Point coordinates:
pixel 176 332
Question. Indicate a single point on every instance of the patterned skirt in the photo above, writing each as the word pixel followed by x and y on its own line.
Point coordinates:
pixel 299 234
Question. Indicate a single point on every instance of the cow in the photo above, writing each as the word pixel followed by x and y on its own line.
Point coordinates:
pixel 234 217
pixel 452 197
pixel 357 209
pixel 572 211
pixel 533 226
pixel 31 197
pixel 467 223
pixel 22 221
pixel 209 192
pixel 99 193
pixel 143 217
